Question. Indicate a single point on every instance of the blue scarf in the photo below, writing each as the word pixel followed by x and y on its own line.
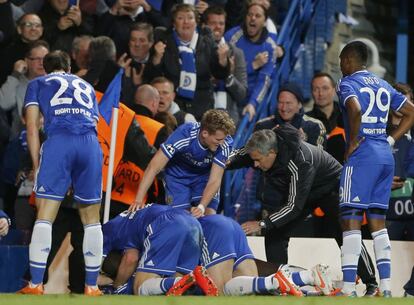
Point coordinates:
pixel 188 74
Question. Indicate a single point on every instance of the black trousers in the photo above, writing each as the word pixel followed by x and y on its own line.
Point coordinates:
pixel 409 286
pixel 277 240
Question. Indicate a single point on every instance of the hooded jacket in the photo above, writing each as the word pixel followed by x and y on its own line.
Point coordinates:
pixel 301 174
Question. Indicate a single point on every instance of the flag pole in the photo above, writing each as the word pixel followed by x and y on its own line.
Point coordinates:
pixel 108 189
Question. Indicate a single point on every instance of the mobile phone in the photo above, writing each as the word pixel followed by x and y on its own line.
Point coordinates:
pixel 137 66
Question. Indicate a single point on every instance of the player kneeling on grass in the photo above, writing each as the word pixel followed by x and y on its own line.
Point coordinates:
pixel 157 242
pixel 231 265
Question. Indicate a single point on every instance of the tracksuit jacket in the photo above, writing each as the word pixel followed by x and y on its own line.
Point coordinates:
pixel 301 174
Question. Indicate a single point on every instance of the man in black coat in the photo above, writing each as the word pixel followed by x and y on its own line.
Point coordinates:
pixel 297 177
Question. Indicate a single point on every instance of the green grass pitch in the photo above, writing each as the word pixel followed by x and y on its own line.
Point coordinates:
pixel 12 299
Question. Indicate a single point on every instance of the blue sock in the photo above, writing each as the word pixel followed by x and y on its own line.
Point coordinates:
pixel 297 279
pixel 167 283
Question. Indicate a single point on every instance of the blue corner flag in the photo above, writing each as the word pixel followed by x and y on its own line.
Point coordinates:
pixel 156 4
pixel 111 97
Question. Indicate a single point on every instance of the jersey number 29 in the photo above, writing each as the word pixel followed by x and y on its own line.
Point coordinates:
pixel 375 99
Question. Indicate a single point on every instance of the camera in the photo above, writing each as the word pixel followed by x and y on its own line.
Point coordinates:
pixel 136 65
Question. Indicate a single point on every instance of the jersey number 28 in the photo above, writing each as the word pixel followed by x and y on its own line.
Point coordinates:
pixel 80 87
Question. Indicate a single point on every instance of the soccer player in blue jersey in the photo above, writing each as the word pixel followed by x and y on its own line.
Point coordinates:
pixel 164 240
pixel 231 265
pixel 194 158
pixel 70 157
pixel 365 185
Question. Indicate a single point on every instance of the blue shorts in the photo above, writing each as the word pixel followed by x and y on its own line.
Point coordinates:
pixel 184 193
pixel 225 240
pixel 366 186
pixel 70 160
pixel 172 244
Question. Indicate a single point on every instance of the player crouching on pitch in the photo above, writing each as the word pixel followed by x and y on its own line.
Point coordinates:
pixel 157 243
pixel 231 266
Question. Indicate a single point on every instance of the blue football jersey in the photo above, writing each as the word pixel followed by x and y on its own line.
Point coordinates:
pixel 375 97
pixel 66 101
pixel 128 230
pixel 188 158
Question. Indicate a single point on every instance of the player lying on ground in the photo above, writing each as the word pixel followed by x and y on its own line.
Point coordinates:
pixel 161 241
pixel 231 266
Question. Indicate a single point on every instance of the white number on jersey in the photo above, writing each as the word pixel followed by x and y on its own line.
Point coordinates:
pixel 375 99
pixel 77 83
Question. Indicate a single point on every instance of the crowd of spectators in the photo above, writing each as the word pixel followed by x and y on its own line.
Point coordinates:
pixel 181 58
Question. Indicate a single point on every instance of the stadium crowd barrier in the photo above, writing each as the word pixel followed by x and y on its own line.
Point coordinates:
pixel 307 252
pixel 304 252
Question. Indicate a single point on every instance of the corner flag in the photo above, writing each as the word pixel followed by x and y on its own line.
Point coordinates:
pixel 111 97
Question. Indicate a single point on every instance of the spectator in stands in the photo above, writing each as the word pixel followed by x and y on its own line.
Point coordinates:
pixel 233 89
pixel 326 110
pixel 12 92
pixel 260 54
pixel 166 91
pixel 63 22
pixel 141 39
pixel 167 5
pixel 122 14
pixel 7 25
pixel 29 29
pixel 11 98
pixel 18 178
pixel 168 120
pixel 270 21
pixel 102 65
pixel 190 59
pixel 146 104
pixel 80 54
pixel 4 223
pixel 235 9
pixel 290 110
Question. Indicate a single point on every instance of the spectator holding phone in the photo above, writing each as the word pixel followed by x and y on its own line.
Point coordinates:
pixel 62 22
pixel 13 90
pixel 141 39
pixel 188 56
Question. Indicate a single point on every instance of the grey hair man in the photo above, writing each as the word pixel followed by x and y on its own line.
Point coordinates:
pixel 296 178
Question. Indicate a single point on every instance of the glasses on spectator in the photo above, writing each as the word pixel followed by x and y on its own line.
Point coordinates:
pixel 33 25
pixel 35 58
